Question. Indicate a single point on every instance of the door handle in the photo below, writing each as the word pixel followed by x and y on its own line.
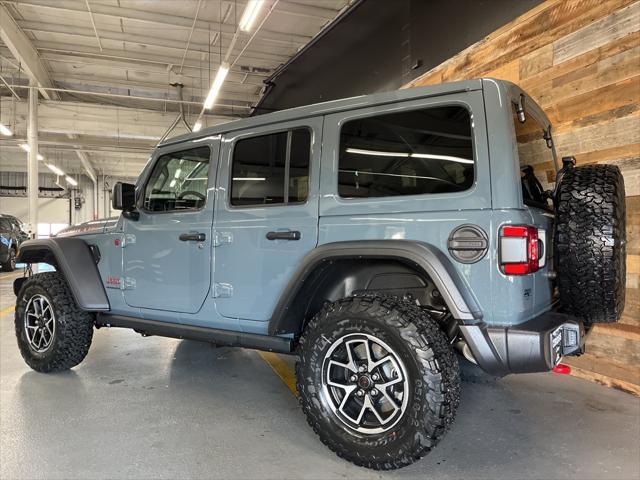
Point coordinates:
pixel 289 235
pixel 192 237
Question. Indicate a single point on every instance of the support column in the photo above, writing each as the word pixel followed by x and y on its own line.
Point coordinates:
pixel 32 165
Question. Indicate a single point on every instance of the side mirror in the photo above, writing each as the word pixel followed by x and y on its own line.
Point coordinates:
pixel 124 198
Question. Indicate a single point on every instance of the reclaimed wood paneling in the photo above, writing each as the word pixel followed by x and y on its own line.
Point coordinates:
pixel 580 60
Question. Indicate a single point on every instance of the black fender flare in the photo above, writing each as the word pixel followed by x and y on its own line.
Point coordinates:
pixel 73 258
pixel 422 256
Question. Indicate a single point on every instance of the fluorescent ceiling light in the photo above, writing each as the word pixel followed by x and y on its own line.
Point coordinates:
pixel 172 183
pixel 250 14
pixel 71 181
pixel 216 86
pixel 377 153
pixel 446 158
pixel 4 130
pixel 178 172
pixel 54 169
pixel 27 149
pixel 249 179
pixel 197 126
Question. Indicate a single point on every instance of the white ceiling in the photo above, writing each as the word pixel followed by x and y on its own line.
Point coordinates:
pixel 137 49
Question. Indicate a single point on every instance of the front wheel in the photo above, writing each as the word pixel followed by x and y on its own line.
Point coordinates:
pixel 53 332
pixel 378 381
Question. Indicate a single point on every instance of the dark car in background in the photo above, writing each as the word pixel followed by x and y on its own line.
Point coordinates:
pixel 11 236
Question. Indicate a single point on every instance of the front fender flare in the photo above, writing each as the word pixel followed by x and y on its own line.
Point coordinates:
pixel 72 257
pixel 420 255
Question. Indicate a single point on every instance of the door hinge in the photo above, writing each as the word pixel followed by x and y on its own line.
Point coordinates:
pixel 220 238
pixel 222 290
pixel 124 240
pixel 127 283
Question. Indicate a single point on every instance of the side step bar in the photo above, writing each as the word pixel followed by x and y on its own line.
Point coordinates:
pixel 202 334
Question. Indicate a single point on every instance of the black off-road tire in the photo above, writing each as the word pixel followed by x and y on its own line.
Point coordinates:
pixel 590 243
pixel 73 328
pixel 433 373
pixel 10 264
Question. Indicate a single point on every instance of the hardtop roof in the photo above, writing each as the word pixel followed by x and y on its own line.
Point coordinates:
pixel 333 106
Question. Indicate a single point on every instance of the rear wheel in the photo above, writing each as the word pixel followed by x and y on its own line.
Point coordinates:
pixel 378 381
pixel 53 332
pixel 590 242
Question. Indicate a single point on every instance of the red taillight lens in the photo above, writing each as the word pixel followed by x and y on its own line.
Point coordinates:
pixel 519 252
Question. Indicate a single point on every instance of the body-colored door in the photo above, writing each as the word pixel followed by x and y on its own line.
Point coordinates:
pixel 266 215
pixel 167 255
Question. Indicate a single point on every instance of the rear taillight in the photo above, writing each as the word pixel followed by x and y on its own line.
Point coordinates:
pixel 519 249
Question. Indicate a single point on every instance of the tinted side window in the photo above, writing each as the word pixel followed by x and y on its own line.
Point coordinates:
pixel 271 169
pixel 178 181
pixel 408 153
pixel 536 157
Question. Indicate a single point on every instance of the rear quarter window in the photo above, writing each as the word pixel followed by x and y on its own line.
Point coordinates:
pixel 423 151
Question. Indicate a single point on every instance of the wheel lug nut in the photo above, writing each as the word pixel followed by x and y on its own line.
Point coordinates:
pixel 360 393
pixel 375 377
pixel 353 378
pixel 374 392
pixel 362 368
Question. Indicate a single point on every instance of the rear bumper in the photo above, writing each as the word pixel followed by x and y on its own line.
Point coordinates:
pixel 534 346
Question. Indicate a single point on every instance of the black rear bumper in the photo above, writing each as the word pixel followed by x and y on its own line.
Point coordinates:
pixel 534 346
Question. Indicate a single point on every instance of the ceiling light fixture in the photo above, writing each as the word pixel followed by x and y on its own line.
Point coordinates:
pixel 4 130
pixel 71 181
pixel 197 126
pixel 250 14
pixel 27 149
pixel 54 169
pixel 216 86
pixel 376 153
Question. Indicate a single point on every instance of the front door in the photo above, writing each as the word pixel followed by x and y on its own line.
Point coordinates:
pixel 167 255
pixel 266 215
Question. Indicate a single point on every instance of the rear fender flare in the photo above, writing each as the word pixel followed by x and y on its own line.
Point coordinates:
pixel 423 257
pixel 73 258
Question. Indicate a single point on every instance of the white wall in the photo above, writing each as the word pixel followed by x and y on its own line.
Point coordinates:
pixel 50 210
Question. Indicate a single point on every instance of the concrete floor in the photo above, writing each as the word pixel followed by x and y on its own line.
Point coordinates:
pixel 161 408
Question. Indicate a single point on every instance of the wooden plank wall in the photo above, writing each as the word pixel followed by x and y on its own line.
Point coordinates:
pixel 580 60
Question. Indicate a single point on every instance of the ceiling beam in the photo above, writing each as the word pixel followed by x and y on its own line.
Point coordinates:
pixel 149 41
pixel 251 64
pixel 158 19
pixel 23 51
pixel 58 117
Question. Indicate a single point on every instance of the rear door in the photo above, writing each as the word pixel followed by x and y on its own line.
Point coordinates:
pixel 266 214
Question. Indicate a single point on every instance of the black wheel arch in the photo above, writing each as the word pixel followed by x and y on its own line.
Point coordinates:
pixel 73 258
pixel 341 269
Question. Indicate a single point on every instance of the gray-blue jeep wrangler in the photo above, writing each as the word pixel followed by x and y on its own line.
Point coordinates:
pixel 376 237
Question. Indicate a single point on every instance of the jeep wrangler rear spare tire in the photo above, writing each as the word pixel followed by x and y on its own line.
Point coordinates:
pixel 53 333
pixel 378 381
pixel 590 242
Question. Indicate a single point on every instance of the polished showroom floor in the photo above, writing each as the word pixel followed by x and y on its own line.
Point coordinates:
pixel 161 408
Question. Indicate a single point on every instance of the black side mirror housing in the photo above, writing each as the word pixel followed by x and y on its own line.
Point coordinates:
pixel 124 197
